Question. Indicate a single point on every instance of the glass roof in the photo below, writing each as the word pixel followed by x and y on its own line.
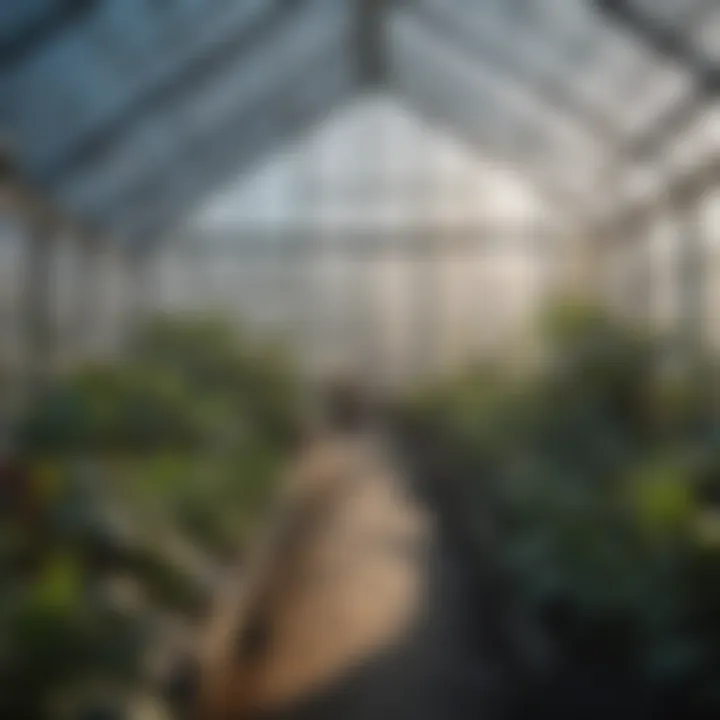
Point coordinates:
pixel 128 113
pixel 371 167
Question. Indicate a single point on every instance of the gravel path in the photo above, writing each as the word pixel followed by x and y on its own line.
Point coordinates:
pixel 362 605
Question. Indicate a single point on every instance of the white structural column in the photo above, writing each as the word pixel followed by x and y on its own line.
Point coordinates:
pixel 37 297
pixel 87 286
pixel 692 275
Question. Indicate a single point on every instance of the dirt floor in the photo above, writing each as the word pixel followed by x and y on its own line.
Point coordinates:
pixel 363 606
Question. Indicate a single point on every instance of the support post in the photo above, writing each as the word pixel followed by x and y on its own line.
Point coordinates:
pixel 691 285
pixel 86 300
pixel 370 48
pixel 639 281
pixel 139 266
pixel 36 305
pixel 425 301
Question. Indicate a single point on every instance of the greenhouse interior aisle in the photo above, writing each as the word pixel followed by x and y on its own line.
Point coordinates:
pixel 499 222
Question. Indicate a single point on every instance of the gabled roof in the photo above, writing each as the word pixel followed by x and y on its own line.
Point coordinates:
pixel 339 181
pixel 128 112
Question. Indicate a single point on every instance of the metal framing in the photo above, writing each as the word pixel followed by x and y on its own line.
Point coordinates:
pixel 545 89
pixel 359 243
pixel 666 41
pixel 368 60
pixel 160 200
pixel 559 194
pixel 193 73
pixel 371 54
pixel 674 45
pixel 34 34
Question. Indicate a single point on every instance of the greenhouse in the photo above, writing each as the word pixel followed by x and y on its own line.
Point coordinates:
pixel 480 238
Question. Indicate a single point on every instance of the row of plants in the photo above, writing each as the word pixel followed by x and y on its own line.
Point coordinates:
pixel 130 482
pixel 601 470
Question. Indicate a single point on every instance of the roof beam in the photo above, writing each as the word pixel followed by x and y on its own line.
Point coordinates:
pixel 666 41
pixel 151 99
pixel 245 110
pixel 545 88
pixel 669 43
pixel 366 241
pixel 557 194
pixel 37 33
pixel 681 191
pixel 648 144
pixel 369 40
pixel 158 201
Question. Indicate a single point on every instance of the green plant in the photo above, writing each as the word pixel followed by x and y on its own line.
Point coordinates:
pixel 600 465
pixel 147 471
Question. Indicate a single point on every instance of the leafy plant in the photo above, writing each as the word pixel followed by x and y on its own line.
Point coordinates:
pixel 601 467
pixel 146 471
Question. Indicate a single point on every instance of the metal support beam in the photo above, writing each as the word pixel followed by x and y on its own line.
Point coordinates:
pixel 37 301
pixel 680 191
pixel 423 307
pixel 192 74
pixel 87 288
pixel 649 143
pixel 18 44
pixel 138 263
pixel 546 89
pixel 371 56
pixel 673 44
pixel 300 240
pixel 592 265
pixel 692 282
pixel 640 280
pixel 559 195
pixel 666 41
pixel 156 202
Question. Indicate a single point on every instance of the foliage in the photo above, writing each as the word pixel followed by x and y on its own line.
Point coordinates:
pixel 602 466
pixel 133 480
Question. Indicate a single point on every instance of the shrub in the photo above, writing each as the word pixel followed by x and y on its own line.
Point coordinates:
pixel 602 469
